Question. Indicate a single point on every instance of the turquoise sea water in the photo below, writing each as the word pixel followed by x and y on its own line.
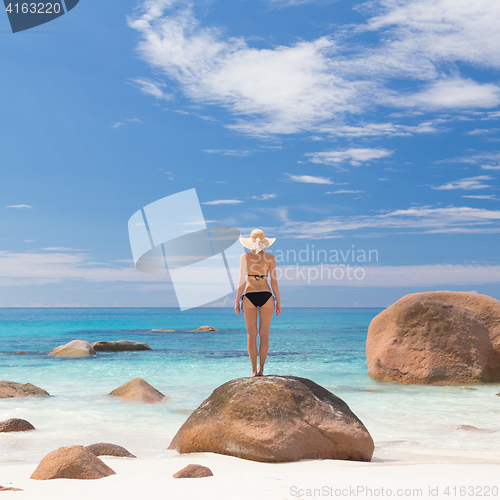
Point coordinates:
pixel 407 423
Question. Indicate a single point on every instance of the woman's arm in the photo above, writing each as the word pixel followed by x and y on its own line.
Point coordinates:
pixel 241 283
pixel 274 285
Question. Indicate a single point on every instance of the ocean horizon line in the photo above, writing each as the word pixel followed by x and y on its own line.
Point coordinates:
pixel 173 307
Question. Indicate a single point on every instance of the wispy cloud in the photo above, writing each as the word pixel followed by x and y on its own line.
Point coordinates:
pixel 229 152
pixel 480 196
pixel 222 202
pixel 345 191
pixel 309 179
pixel 388 276
pixel 19 206
pixel 481 131
pixel 354 156
pixel 124 122
pixel 41 268
pixel 382 129
pixel 314 85
pixel 151 88
pixel 450 93
pixel 264 197
pixel 411 220
pixel 467 183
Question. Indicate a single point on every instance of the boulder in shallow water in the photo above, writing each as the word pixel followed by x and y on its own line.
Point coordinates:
pixel 16 390
pixel 74 349
pixel 71 462
pixel 194 471
pixel 205 329
pixel 138 389
pixel 108 449
pixel 120 345
pixel 436 338
pixel 275 419
pixel 16 425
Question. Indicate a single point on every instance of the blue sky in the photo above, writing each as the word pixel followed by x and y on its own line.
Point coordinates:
pixel 343 125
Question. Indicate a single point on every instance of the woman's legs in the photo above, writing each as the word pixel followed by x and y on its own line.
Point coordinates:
pixel 265 316
pixel 250 313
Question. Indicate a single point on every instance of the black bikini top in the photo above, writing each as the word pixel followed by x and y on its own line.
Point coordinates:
pixel 257 276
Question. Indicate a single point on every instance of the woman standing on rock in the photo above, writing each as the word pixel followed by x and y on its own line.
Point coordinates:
pixel 255 267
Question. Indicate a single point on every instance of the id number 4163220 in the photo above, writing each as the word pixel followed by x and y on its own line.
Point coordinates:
pixel 34 8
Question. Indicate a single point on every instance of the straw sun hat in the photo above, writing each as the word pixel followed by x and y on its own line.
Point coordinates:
pixel 257 241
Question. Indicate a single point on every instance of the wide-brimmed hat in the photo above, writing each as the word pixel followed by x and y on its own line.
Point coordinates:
pixel 257 241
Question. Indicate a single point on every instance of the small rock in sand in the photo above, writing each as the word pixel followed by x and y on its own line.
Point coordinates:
pixel 193 470
pixel 71 462
pixel 5 488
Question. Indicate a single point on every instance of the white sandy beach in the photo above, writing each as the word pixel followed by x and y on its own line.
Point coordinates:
pixel 242 479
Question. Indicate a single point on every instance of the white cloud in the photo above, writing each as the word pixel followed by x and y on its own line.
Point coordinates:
pixel 313 85
pixel 490 167
pixel 480 196
pixel 62 249
pixel 412 220
pixel 152 88
pixel 440 31
pixel 381 129
pixel 41 268
pixel 450 93
pixel 355 156
pixel 345 191
pixel 229 152
pixel 467 183
pixel 124 122
pixel 222 202
pixel 481 131
pixel 264 197
pixel 387 276
pixel 19 206
pixel 309 179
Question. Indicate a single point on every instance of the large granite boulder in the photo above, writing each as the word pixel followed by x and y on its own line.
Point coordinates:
pixel 16 390
pixel 120 345
pixel 108 449
pixel 436 338
pixel 74 349
pixel 16 425
pixel 138 389
pixel 71 462
pixel 275 419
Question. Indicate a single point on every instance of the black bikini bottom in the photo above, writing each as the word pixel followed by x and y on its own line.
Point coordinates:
pixel 258 299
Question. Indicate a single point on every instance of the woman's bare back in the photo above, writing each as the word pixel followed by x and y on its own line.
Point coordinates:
pixel 258 266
